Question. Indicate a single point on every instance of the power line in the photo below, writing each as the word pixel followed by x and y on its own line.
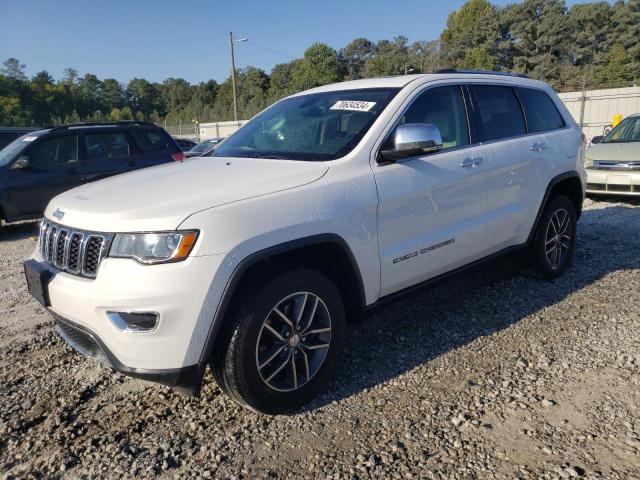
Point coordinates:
pixel 271 50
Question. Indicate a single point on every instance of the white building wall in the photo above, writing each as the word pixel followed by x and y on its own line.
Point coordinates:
pixel 600 106
pixel 219 129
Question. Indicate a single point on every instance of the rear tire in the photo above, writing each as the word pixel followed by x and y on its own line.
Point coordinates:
pixel 555 236
pixel 282 341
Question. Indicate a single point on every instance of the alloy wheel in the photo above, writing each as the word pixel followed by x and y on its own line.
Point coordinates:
pixel 293 341
pixel 558 238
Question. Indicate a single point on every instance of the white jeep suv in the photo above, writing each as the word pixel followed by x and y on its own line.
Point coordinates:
pixel 325 204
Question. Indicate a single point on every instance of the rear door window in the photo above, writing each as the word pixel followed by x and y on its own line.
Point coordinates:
pixel 105 145
pixel 149 140
pixel 53 152
pixel 499 112
pixel 542 114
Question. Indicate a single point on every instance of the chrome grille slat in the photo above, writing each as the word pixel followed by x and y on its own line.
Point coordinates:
pixel 76 252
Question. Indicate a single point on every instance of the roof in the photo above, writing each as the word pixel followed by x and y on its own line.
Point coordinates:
pixel 400 81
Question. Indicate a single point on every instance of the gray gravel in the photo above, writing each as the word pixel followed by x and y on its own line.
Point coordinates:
pixel 496 374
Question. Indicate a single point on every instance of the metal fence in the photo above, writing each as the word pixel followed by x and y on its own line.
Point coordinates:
pixel 594 109
pixel 203 131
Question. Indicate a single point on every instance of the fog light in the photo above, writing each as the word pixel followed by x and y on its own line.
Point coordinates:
pixel 134 321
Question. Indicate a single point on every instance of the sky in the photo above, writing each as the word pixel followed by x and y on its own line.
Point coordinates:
pixel 158 39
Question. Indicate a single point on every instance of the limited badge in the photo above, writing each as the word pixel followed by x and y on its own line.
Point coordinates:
pixel 355 105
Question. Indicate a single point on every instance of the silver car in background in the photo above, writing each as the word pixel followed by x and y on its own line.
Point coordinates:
pixel 612 162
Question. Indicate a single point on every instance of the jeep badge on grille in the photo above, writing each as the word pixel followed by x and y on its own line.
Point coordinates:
pixel 58 214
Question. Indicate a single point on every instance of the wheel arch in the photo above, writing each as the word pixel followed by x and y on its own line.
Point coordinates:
pixel 309 251
pixel 567 183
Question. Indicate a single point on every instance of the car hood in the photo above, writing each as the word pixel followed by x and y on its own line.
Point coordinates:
pixel 614 151
pixel 161 197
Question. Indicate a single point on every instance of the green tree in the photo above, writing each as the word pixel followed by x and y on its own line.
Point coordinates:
pixel 12 68
pixel 319 66
pixel 390 58
pixel 474 27
pixel 355 56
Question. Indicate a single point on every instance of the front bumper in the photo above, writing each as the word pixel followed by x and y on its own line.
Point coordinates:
pixel 613 182
pixel 176 291
pixel 87 343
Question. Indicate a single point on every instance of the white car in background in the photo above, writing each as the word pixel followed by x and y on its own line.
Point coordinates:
pixel 326 204
pixel 612 162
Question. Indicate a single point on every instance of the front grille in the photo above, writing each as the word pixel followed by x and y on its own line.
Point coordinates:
pixel 619 188
pixel 596 186
pixel 616 164
pixel 74 251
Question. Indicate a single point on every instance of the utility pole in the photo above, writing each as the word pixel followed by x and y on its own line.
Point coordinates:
pixel 233 78
pixel 233 73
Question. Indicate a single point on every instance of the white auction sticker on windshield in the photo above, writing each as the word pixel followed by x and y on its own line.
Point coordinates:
pixel 355 105
pixel 29 139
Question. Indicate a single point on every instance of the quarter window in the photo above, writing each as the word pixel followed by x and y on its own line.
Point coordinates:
pixel 542 114
pixel 148 140
pixel 499 111
pixel 444 108
pixel 54 151
pixel 106 145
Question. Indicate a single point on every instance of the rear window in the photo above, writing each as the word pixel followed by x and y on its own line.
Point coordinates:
pixel 500 112
pixel 542 114
pixel 106 145
pixel 149 140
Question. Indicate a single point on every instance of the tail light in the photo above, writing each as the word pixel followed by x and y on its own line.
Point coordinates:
pixel 178 156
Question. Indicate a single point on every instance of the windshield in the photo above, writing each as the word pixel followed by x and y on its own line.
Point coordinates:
pixel 627 131
pixel 317 126
pixel 12 150
pixel 204 146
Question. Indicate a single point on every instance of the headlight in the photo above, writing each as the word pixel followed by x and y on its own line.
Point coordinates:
pixel 150 248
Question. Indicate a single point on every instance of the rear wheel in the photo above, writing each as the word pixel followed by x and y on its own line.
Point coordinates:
pixel 555 236
pixel 282 343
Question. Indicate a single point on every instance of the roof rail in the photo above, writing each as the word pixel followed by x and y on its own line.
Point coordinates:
pixel 480 72
pixel 101 124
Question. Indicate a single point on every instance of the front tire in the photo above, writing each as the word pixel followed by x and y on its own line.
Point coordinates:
pixel 555 237
pixel 282 342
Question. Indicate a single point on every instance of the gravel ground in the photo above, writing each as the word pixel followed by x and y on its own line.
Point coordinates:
pixel 496 374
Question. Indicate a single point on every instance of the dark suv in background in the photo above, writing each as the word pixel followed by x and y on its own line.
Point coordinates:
pixel 41 164
pixel 9 134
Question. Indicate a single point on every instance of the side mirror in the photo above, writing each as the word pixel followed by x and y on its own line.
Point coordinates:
pixel 597 139
pixel 412 139
pixel 22 163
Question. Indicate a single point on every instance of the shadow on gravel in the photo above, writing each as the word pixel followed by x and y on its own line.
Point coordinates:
pixel 424 325
pixel 19 231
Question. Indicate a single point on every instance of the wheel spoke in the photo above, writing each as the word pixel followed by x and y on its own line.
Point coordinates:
pixel 310 317
pixel 277 352
pixel 279 369
pixel 284 318
pixel 317 347
pixel 274 332
pixel 301 311
pixel 565 223
pixel 318 330
pixel 306 363
pixel 294 370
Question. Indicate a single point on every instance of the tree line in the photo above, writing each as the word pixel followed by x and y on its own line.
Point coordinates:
pixel 596 45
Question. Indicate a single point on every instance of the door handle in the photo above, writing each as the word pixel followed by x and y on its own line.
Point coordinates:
pixel 131 163
pixel 73 170
pixel 471 162
pixel 538 147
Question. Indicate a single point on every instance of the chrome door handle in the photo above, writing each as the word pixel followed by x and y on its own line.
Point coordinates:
pixel 538 147
pixel 471 162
